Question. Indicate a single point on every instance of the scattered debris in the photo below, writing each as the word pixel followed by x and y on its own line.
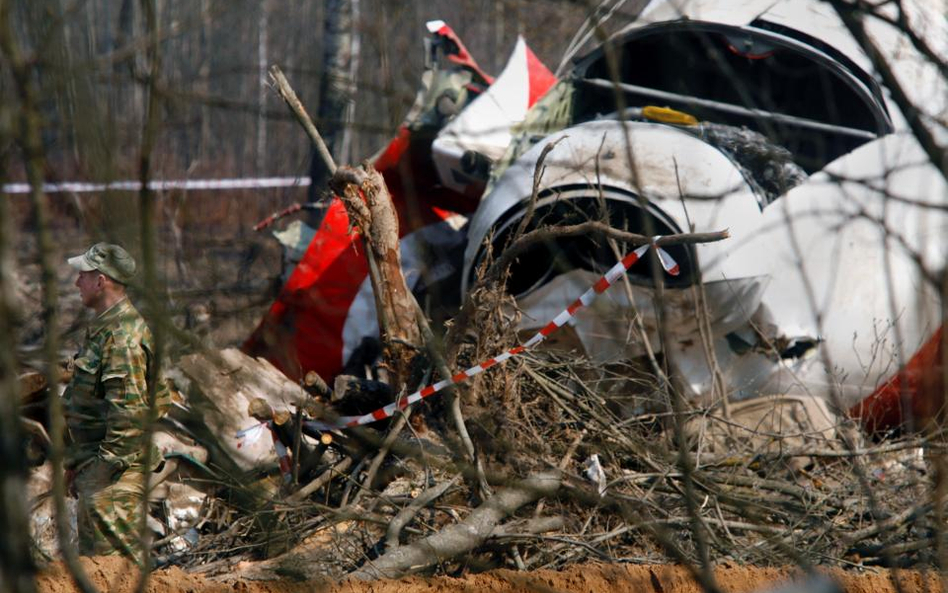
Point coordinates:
pixel 595 473
pixel 221 387
pixel 735 436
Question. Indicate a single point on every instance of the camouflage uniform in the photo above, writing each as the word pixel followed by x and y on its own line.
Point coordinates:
pixel 106 411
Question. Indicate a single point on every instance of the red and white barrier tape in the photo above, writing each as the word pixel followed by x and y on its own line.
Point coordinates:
pixel 161 184
pixel 283 457
pixel 276 216
pixel 607 280
pixel 252 434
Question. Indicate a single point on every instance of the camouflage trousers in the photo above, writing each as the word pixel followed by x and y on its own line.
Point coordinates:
pixel 110 510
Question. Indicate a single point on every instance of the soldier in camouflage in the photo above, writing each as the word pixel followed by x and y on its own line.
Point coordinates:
pixel 107 408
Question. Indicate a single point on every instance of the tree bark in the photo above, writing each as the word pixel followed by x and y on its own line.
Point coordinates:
pixel 370 208
pixel 340 63
pixel 16 565
pixel 463 537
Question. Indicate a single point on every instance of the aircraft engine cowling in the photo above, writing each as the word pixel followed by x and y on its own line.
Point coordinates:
pixel 648 178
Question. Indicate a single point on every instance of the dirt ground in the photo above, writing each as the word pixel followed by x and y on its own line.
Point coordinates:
pixel 114 575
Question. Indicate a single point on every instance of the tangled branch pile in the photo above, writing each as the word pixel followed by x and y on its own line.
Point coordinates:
pixel 612 474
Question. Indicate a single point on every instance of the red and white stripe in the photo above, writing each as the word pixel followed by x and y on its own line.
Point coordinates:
pixel 283 456
pixel 607 280
pixel 250 435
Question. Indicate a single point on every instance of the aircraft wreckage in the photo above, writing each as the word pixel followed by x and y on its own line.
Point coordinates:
pixel 758 117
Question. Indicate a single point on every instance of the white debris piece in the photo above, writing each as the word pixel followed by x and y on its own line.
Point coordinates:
pixel 595 473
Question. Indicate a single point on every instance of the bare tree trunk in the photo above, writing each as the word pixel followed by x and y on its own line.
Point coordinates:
pixel 151 289
pixel 369 205
pixel 454 540
pixel 203 82
pixel 16 565
pixel 30 142
pixel 340 63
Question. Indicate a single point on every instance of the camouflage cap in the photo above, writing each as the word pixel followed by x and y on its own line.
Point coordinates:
pixel 111 260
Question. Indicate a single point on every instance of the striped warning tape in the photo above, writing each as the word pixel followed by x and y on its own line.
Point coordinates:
pixel 283 456
pixel 160 184
pixel 607 280
pixel 253 433
pixel 249 436
pixel 284 213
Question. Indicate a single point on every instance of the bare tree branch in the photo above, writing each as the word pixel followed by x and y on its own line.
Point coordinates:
pixel 463 537
pixel 852 17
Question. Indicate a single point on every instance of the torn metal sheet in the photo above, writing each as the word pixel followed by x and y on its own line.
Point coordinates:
pixel 470 143
pixel 295 239
pixel 789 156
pixel 322 312
pixel 779 133
pixel 606 329
pixel 854 262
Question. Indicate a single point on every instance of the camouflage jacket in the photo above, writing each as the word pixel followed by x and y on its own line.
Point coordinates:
pixel 106 401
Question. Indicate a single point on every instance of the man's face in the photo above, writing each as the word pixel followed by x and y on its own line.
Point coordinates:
pixel 91 286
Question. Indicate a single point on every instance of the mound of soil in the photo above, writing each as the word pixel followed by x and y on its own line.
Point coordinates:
pixel 114 575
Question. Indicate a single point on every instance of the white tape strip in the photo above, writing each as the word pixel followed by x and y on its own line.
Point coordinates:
pixel 161 184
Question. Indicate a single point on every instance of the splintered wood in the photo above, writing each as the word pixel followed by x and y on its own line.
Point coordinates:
pixel 370 209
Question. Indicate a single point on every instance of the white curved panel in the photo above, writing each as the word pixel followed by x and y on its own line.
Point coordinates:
pixel 661 163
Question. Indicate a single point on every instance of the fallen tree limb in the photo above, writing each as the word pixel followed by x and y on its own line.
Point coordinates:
pixel 454 540
pixel 892 523
pixel 323 479
pixel 409 512
pixel 528 528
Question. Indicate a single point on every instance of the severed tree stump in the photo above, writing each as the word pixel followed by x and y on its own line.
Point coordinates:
pixel 369 206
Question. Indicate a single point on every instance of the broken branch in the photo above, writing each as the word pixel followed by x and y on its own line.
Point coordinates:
pixel 529 240
pixel 408 513
pixel 462 537
pixel 286 91
pixel 369 204
pixel 323 479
